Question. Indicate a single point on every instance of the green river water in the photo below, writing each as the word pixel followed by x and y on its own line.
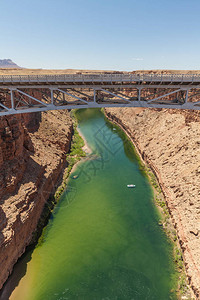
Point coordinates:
pixel 103 241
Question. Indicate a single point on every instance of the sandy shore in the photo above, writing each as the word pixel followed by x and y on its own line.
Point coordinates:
pixel 86 147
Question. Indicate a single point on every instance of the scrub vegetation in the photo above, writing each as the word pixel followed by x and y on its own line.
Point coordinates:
pixel 75 154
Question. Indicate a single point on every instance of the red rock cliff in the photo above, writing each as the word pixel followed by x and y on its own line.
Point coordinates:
pixel 32 157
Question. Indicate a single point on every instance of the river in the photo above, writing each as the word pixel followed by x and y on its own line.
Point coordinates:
pixel 103 241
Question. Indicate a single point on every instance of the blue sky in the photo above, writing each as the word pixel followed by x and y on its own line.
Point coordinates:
pixel 112 34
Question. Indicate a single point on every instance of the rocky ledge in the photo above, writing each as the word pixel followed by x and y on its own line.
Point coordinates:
pixel 169 141
pixel 32 157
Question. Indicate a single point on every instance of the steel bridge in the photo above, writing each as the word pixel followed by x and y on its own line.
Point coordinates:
pixel 32 93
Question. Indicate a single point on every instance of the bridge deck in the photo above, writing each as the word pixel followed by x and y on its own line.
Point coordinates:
pixel 99 78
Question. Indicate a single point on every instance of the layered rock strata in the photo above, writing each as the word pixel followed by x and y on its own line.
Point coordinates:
pixel 169 141
pixel 32 157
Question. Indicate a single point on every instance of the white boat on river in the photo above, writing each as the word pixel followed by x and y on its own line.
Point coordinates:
pixel 130 185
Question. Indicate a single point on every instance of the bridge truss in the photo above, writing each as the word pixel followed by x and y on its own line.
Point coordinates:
pixel 24 94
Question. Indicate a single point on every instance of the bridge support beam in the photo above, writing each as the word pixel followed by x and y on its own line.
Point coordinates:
pixel 31 97
pixel 115 95
pixel 18 98
pixel 186 96
pixel 160 97
pixel 12 99
pixel 94 95
pixel 73 96
pixel 139 94
pixel 52 97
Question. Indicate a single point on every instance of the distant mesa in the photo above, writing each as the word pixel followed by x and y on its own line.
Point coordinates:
pixel 8 63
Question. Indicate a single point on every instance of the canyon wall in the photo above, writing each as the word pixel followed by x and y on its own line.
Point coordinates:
pixel 169 141
pixel 33 148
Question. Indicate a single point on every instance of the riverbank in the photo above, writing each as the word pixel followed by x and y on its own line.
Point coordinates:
pixel 117 116
pixel 86 148
pixel 72 152
pixel 76 150
pixel 32 161
pixel 79 149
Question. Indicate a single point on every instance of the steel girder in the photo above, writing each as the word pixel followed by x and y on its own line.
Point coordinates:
pixel 26 99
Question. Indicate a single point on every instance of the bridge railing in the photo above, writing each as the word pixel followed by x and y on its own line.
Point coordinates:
pixel 99 78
